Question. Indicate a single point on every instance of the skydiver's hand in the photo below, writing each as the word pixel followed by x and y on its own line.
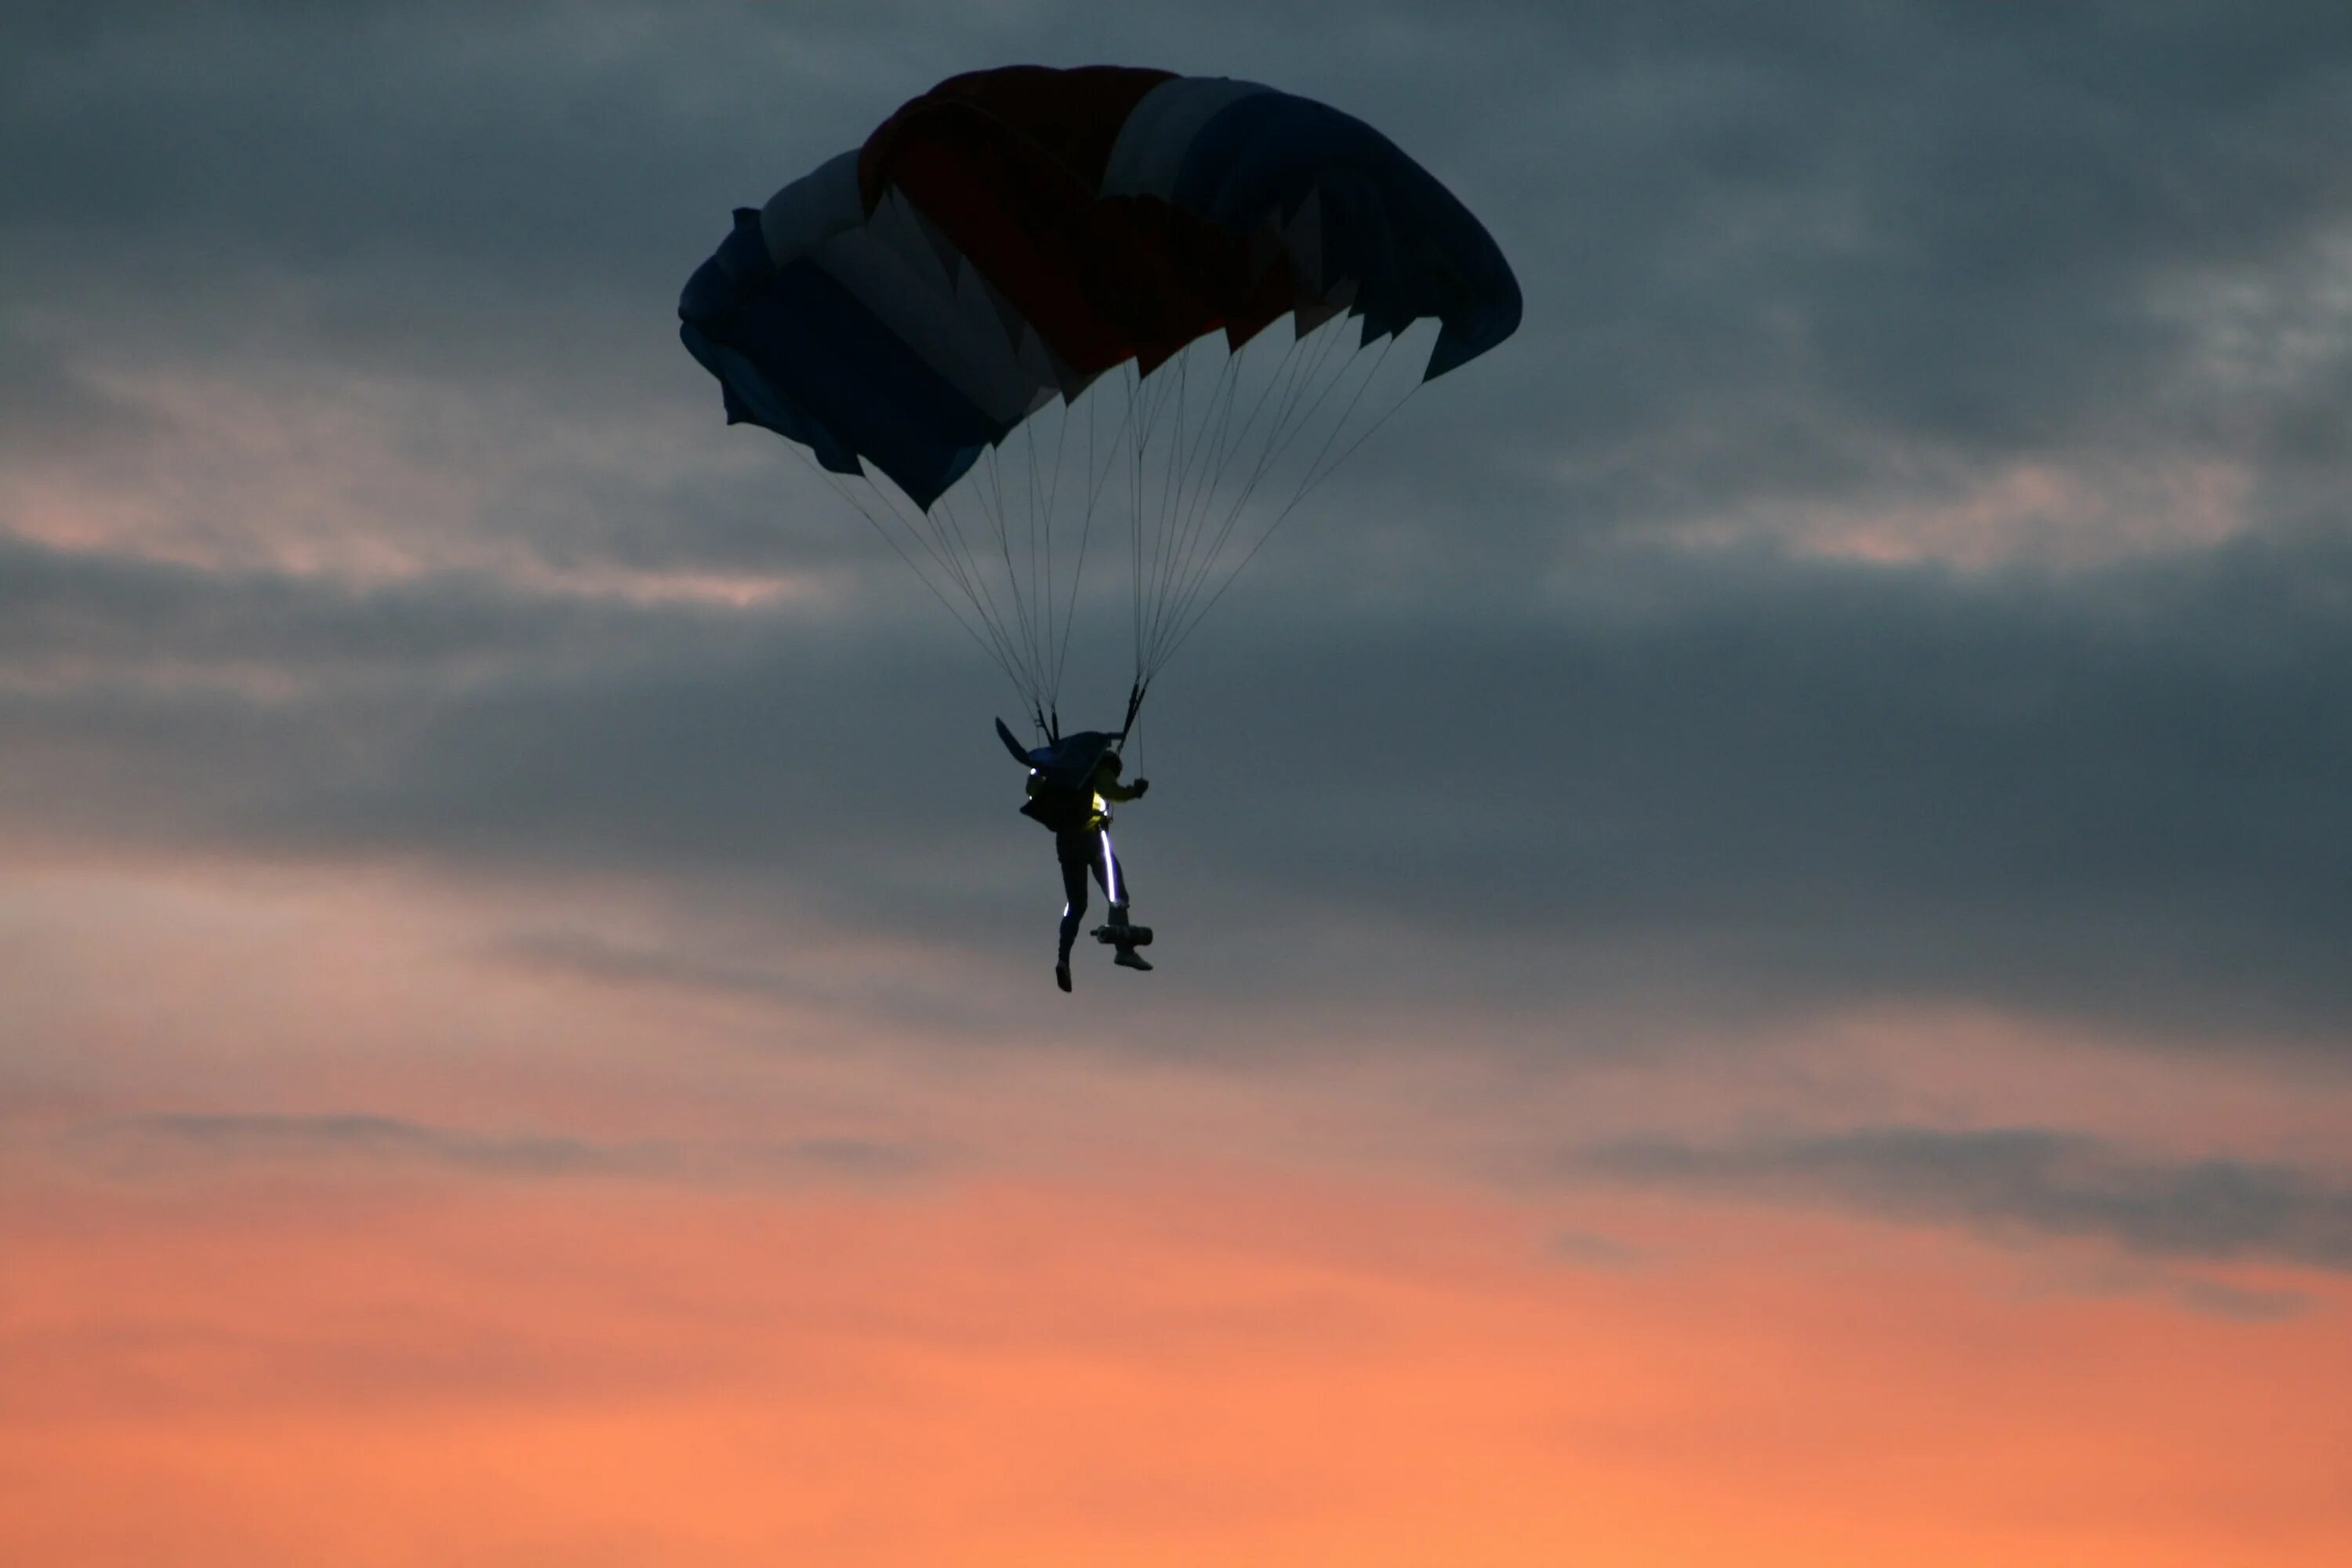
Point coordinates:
pixel 1140 785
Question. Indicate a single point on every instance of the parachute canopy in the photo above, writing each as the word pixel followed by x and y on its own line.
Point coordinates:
pixel 1012 235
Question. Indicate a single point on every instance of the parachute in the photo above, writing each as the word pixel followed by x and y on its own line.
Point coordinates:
pixel 1025 323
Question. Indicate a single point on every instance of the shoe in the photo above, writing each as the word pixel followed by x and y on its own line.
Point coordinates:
pixel 1061 975
pixel 1129 959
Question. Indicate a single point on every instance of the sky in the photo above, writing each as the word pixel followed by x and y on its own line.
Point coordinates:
pixel 1751 902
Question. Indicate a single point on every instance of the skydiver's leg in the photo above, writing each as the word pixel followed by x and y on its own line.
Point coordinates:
pixel 1112 875
pixel 1074 904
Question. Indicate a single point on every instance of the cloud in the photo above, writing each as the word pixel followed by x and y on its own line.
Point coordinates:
pixel 1682 784
pixel 1625 675
pixel 730 953
pixel 1588 1250
pixel 1808 259
pixel 2030 1181
pixel 46 404
pixel 2206 1297
pixel 361 1141
pixel 91 618
pixel 142 1146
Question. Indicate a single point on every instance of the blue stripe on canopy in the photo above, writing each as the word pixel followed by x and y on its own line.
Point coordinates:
pixel 799 354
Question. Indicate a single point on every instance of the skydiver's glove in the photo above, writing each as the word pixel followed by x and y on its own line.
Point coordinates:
pixel 1142 785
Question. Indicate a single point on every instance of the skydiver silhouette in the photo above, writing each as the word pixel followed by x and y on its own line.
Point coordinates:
pixel 1072 785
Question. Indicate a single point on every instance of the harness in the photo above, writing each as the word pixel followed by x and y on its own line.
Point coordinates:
pixel 1061 795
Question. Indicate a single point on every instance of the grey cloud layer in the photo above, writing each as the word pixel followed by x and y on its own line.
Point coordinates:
pixel 1865 254
pixel 1795 255
pixel 1772 789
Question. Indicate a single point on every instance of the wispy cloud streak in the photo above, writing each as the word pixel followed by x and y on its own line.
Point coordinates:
pixel 2022 1181
pixel 142 1146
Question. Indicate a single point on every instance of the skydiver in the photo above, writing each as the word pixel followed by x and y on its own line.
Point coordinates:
pixel 1071 787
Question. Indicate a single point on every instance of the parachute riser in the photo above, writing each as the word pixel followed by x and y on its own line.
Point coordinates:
pixel 1134 706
